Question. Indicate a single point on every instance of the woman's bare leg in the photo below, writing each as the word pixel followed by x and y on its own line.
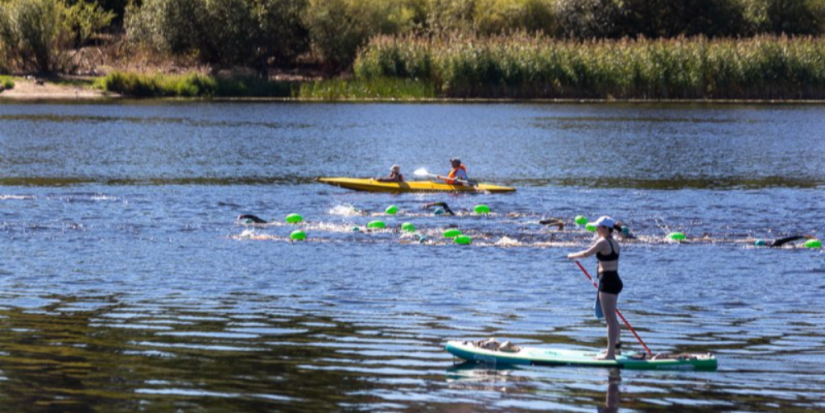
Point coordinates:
pixel 609 302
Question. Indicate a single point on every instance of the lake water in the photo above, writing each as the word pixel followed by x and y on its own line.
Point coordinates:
pixel 127 284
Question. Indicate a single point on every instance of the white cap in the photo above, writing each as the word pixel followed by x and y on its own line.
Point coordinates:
pixel 395 168
pixel 605 221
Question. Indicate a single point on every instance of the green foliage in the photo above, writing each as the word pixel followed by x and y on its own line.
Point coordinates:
pixel 381 88
pixel 174 26
pixel 86 19
pixel 282 34
pixel 487 17
pixel 7 82
pixel 792 17
pixel 190 85
pixel 39 35
pixel 535 66
pixel 337 28
pixel 585 19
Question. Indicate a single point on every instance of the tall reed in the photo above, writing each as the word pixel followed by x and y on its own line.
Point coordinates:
pixel 535 66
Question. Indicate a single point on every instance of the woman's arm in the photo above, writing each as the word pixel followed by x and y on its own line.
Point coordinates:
pixel 597 247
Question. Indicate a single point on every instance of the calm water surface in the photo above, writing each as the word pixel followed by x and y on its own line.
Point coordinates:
pixel 126 284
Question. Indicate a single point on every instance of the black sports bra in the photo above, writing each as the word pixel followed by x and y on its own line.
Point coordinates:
pixel 613 256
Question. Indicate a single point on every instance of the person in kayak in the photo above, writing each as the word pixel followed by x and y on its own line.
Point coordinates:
pixel 781 241
pixel 457 175
pixel 607 251
pixel 395 175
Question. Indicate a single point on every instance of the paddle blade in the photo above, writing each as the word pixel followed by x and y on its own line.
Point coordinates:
pixel 421 172
pixel 597 308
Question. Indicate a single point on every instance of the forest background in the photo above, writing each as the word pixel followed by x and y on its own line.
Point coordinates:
pixel 421 49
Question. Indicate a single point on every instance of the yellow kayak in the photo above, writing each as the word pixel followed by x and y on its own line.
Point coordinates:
pixel 372 185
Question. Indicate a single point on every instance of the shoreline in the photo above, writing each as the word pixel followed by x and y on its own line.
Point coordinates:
pixel 27 91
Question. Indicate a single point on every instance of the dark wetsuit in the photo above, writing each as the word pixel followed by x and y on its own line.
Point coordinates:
pixel 442 205
pixel 252 218
pixel 782 241
pixel 609 281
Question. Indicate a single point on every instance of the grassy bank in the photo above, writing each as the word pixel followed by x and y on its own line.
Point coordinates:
pixel 381 88
pixel 203 86
pixel 536 67
pixel 192 85
pixel 525 66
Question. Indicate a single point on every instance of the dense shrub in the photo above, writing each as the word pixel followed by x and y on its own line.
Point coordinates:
pixel 488 17
pixel 792 17
pixel 585 19
pixel 174 26
pixel 337 28
pixel 282 35
pixel 40 35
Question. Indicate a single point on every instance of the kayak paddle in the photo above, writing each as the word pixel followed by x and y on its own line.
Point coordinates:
pixel 617 311
pixel 423 172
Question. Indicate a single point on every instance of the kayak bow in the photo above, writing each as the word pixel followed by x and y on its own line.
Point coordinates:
pixel 371 185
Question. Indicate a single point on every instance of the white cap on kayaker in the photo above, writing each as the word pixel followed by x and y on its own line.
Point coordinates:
pixel 605 221
pixel 395 168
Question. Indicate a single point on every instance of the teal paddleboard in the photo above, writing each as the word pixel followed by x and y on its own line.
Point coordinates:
pixel 537 356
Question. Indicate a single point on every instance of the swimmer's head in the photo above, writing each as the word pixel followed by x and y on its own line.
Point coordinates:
pixel 438 211
pixel 760 243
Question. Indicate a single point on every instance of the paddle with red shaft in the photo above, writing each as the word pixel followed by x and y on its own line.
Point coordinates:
pixel 617 312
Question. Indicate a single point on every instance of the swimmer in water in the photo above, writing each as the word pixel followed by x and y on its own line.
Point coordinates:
pixel 557 222
pixel 781 241
pixel 623 231
pixel 250 217
pixel 442 205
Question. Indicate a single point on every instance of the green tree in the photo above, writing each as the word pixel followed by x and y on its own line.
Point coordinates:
pixel 41 35
pixel 337 28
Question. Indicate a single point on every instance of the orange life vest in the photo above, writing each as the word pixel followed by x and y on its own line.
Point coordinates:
pixel 453 172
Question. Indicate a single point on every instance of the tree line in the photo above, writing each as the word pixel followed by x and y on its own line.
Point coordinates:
pixel 42 35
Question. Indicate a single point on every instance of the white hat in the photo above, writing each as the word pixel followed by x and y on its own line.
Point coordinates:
pixel 395 168
pixel 605 221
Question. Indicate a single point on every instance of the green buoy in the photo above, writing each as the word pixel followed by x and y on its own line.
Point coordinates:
pixel 377 224
pixel 463 240
pixel 294 218
pixel 451 233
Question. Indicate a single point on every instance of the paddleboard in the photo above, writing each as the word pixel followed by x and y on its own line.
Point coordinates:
pixel 538 356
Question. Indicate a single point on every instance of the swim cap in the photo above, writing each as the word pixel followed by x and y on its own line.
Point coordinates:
pixel 605 221
pixel 438 211
pixel 760 243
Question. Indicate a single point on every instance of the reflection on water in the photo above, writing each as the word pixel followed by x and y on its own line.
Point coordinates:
pixel 127 284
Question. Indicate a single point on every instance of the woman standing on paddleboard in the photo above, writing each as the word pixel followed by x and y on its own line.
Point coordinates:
pixel 606 250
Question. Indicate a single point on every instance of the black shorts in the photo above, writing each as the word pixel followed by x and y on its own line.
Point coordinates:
pixel 609 282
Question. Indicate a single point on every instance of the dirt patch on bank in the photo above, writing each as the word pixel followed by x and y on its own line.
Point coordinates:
pixel 56 89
